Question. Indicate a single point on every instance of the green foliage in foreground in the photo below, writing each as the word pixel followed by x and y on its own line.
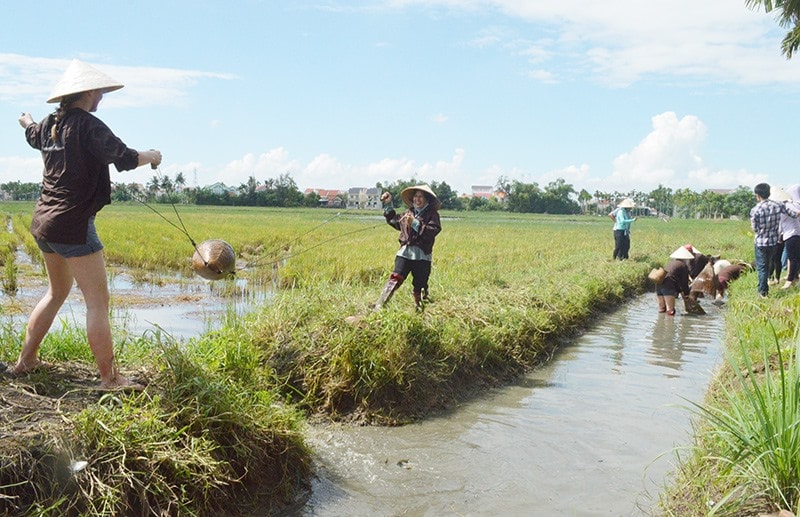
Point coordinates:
pixel 746 459
pixel 201 440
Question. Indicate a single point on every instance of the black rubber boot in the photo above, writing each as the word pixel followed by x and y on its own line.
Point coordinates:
pixel 391 286
pixel 418 300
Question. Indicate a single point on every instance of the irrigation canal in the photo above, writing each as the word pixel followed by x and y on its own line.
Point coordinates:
pixel 593 432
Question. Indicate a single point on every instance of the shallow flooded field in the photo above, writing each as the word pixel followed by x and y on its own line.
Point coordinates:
pixel 590 433
pixel 181 307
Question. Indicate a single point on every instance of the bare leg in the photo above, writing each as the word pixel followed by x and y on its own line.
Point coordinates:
pixel 662 305
pixel 670 304
pixel 60 282
pixel 90 274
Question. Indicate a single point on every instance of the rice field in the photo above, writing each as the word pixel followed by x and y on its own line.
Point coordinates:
pixel 506 290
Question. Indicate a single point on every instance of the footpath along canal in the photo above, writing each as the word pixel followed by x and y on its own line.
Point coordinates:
pixel 592 432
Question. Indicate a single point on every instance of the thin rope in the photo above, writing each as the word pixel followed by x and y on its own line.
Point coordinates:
pixel 181 228
pixel 258 263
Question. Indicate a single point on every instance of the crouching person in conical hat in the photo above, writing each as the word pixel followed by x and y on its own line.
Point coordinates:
pixel 676 280
pixel 418 225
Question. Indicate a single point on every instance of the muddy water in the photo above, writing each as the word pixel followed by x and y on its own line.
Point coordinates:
pixel 591 433
pixel 184 308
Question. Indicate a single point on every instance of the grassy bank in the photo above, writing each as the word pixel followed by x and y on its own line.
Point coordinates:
pixel 746 455
pixel 200 440
pixel 506 289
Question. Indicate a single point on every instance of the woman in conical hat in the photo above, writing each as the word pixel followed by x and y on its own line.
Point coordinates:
pixel 77 149
pixel 622 228
pixel 418 225
pixel 676 280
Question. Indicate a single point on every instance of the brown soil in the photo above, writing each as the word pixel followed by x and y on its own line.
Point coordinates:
pixel 33 405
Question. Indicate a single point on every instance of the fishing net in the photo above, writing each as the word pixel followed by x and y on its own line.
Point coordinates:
pixel 214 259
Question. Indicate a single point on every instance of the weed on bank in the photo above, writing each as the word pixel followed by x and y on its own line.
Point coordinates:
pixel 746 456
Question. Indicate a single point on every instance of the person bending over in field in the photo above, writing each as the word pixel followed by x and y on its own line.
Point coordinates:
pixel 676 280
pixel 76 148
pixel 418 225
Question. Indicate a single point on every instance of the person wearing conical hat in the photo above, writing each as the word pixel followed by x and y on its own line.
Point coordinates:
pixel 676 280
pixel 418 225
pixel 622 228
pixel 77 149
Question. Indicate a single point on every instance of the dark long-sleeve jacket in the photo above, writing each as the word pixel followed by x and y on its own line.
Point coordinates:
pixel 678 276
pixel 76 182
pixel 424 238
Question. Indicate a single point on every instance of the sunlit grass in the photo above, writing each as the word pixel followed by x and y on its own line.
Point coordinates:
pixel 746 455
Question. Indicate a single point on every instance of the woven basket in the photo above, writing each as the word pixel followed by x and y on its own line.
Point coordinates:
pixel 657 275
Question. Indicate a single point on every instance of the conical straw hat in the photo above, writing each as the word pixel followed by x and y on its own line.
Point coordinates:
pixel 81 77
pixel 627 203
pixel 214 259
pixel 682 253
pixel 407 195
pixel 779 195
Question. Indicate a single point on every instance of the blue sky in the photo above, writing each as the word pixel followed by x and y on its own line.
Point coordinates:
pixel 614 95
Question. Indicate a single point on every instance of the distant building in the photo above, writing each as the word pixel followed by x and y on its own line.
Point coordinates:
pixel 487 192
pixel 328 198
pixel 364 198
pixel 219 189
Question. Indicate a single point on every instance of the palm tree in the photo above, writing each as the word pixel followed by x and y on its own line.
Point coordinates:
pixel 583 198
pixel 153 186
pixel 788 17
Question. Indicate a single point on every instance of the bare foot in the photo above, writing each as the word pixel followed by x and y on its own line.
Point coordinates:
pixel 23 368
pixel 120 383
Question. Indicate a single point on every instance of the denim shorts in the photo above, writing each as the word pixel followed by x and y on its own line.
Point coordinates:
pixel 92 245
pixel 666 290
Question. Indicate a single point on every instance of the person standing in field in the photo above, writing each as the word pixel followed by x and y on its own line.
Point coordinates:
pixel 765 221
pixel 622 228
pixel 790 232
pixel 76 149
pixel 418 225
pixel 676 280
pixel 777 264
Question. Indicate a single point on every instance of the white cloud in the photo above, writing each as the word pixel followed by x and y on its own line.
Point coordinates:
pixel 326 171
pixel 25 79
pixel 542 76
pixel 25 170
pixel 671 148
pixel 631 40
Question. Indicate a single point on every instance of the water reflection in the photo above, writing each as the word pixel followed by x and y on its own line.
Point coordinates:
pixel 672 338
pixel 182 307
pixel 582 435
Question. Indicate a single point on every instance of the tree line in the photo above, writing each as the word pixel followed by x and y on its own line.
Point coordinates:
pixel 556 197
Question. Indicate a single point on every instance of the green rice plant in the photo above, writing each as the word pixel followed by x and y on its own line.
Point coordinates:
pixel 10 270
pixel 753 431
pixel 21 225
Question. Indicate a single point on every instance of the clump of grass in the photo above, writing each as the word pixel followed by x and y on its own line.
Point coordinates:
pixel 201 440
pixel 754 430
pixel 10 269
